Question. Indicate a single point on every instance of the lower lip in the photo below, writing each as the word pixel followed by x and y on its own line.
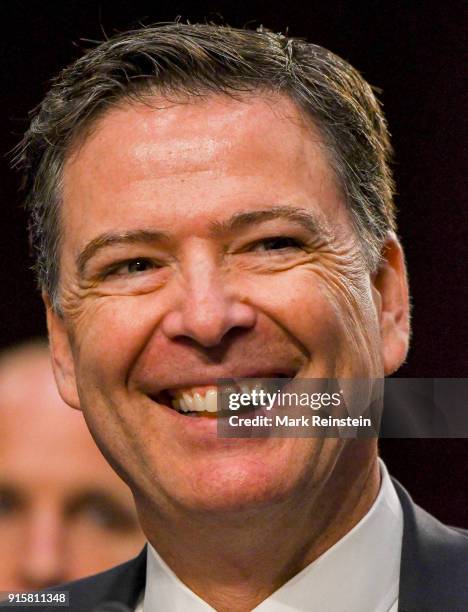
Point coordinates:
pixel 203 430
pixel 198 425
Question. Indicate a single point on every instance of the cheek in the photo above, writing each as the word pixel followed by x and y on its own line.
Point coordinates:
pixel 110 334
pixel 11 551
pixel 91 551
pixel 356 323
pixel 331 316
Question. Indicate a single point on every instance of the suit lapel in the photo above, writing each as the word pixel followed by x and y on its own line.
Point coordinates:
pixel 126 586
pixel 433 562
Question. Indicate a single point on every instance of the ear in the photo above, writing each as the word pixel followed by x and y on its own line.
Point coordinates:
pixel 390 282
pixel 62 356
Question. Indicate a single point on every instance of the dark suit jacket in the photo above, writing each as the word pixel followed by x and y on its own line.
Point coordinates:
pixel 433 578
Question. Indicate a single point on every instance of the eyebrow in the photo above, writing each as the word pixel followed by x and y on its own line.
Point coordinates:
pixel 307 219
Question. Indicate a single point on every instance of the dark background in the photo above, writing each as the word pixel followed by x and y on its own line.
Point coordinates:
pixel 413 52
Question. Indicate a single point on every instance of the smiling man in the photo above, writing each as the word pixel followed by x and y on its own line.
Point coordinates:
pixel 210 203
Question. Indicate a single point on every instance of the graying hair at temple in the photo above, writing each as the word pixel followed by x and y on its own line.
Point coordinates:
pixel 185 60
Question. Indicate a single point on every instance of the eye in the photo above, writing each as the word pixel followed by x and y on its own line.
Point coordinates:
pixel 10 502
pixel 132 267
pixel 277 243
pixel 138 265
pixel 102 512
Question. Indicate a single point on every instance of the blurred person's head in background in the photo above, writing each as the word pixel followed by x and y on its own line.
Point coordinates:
pixel 64 513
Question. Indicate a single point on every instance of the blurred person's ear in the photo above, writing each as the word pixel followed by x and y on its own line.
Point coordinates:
pixel 62 355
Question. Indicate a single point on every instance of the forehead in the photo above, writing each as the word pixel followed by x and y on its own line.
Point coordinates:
pixel 198 131
pixel 190 158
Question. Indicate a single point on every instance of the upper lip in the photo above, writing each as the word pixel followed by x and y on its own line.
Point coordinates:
pixel 205 381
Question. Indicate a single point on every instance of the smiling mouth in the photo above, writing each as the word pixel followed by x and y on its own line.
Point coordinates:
pixel 204 401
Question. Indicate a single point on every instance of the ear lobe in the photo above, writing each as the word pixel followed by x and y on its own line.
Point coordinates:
pixel 390 282
pixel 62 356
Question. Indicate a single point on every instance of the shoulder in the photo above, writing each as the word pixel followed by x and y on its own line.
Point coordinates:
pixel 434 561
pixel 121 584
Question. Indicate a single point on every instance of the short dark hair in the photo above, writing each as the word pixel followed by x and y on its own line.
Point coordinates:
pixel 196 60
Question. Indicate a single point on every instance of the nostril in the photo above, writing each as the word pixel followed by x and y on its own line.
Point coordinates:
pixel 208 321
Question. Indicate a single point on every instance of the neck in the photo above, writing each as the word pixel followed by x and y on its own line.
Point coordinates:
pixel 235 562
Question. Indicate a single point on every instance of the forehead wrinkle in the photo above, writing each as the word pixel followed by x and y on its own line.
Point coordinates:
pixel 108 239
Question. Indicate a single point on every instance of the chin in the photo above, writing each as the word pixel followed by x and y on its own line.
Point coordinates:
pixel 267 475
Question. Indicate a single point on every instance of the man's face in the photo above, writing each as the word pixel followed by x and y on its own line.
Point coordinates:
pixel 64 514
pixel 201 241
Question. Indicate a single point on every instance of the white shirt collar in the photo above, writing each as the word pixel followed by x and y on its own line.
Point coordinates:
pixel 360 573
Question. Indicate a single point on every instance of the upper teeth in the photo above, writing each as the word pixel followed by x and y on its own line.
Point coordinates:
pixel 188 401
pixel 193 401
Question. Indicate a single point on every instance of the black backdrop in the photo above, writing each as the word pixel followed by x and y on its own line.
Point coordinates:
pixel 413 52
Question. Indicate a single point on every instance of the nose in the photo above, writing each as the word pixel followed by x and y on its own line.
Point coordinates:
pixel 208 308
pixel 42 564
